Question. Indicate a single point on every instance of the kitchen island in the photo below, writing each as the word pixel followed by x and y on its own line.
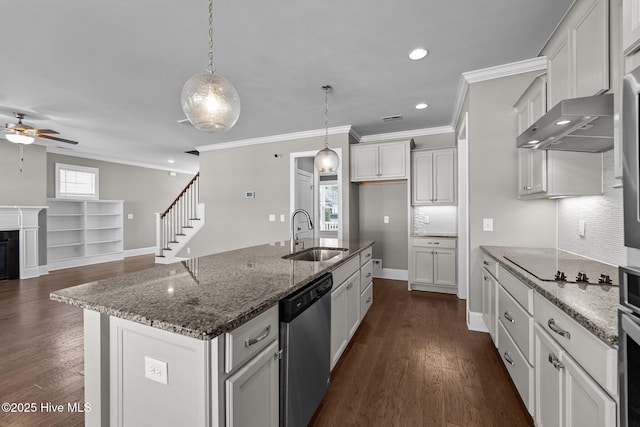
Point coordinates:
pixel 159 343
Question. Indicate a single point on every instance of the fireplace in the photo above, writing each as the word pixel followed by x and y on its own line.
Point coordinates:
pixel 9 258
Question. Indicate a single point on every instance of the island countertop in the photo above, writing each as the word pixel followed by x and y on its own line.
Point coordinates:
pixel 207 296
pixel 593 305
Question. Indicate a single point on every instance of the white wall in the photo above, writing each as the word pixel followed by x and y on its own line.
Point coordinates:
pixel 493 178
pixel 603 216
pixel 26 188
pixel 232 221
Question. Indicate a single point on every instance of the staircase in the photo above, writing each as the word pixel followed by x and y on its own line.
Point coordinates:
pixel 177 225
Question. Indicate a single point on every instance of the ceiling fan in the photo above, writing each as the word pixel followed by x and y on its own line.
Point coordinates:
pixel 20 133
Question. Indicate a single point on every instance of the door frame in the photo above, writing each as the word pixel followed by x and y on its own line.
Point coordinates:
pixel 316 180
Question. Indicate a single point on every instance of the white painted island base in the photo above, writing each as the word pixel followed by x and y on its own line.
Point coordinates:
pixel 140 375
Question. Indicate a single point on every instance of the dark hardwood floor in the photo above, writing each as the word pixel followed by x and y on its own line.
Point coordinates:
pixel 412 362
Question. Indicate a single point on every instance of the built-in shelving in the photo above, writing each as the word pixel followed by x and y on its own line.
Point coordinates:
pixel 83 232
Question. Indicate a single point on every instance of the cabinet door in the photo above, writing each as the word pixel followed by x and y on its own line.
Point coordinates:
pixel 538 167
pixel 444 261
pixel 353 304
pixel 548 381
pixel 339 329
pixel 489 301
pixel 523 116
pixel 444 177
pixel 392 160
pixel 524 171
pixel 586 404
pixel 630 26
pixel 559 79
pixel 423 268
pixel 252 393
pixel 591 52
pixel 364 163
pixel 422 182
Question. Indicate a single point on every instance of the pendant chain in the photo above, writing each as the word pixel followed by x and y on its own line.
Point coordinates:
pixel 211 68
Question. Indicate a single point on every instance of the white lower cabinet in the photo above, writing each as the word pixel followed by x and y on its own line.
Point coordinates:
pixel 565 394
pixel 252 393
pixel 489 303
pixel 432 265
pixel 345 314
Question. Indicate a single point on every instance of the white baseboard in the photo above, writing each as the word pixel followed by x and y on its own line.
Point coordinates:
pixel 140 251
pixel 475 322
pixel 392 273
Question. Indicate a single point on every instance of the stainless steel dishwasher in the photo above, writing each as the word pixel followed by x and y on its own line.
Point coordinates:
pixel 305 337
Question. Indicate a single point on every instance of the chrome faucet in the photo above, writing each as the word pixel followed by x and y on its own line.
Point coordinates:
pixel 294 235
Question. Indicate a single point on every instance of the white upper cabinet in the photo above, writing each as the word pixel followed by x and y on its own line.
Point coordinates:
pixel 434 177
pixel 630 26
pixel 380 161
pixel 543 173
pixel 578 53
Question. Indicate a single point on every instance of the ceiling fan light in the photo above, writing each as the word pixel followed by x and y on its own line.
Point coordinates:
pixel 18 138
pixel 210 102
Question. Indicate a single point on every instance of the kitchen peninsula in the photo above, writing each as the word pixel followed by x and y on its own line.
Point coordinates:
pixel 164 346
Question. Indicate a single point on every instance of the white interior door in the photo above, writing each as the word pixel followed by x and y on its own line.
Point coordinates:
pixel 304 200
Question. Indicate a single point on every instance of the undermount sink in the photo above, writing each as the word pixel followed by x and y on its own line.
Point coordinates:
pixel 315 254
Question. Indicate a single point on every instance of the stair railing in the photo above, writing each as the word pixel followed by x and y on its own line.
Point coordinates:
pixel 178 216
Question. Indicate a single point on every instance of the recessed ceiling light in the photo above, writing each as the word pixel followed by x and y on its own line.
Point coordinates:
pixel 563 122
pixel 171 161
pixel 418 53
pixel 421 106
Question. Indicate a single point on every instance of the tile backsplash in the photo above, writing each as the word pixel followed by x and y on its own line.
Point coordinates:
pixel 434 219
pixel 603 217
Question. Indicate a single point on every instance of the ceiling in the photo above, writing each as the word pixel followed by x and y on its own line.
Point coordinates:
pixel 109 73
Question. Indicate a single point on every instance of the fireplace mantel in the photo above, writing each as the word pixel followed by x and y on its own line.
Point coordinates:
pixel 25 220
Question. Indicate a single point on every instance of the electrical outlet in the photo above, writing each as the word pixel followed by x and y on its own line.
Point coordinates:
pixel 272 217
pixel 155 370
pixel 487 224
pixel 188 250
pixel 130 216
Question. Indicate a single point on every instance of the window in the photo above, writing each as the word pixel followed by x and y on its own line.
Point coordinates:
pixel 329 204
pixel 76 182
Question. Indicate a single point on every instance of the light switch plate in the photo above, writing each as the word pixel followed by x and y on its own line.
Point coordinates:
pixel 155 370
pixel 487 224
pixel 281 217
pixel 386 219
pixel 581 226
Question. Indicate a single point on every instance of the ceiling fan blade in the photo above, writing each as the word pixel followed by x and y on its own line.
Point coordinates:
pixel 39 131
pixel 68 141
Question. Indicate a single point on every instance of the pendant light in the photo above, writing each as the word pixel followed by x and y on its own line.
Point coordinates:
pixel 210 101
pixel 326 160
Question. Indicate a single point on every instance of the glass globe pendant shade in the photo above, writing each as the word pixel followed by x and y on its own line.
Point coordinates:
pixel 326 160
pixel 210 102
pixel 18 138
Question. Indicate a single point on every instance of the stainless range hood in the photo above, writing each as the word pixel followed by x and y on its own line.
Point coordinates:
pixel 579 124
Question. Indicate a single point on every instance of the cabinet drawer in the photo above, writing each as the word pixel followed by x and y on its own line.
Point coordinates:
pixel 517 322
pixel 366 299
pixel 518 289
pixel 366 275
pixel 490 264
pixel 432 242
pixel 366 255
pixel 247 340
pixel 345 271
pixel 596 357
pixel 519 369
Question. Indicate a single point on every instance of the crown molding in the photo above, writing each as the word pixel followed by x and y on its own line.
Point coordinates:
pixel 533 64
pixel 407 134
pixel 275 138
pixel 65 152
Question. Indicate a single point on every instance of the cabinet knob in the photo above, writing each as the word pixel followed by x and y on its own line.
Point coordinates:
pixel 485 262
pixel 526 188
pixel 555 362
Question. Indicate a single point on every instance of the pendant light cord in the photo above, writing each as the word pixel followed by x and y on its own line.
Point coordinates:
pixel 326 89
pixel 211 68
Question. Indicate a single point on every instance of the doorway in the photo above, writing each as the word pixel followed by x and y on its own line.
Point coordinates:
pixel 318 194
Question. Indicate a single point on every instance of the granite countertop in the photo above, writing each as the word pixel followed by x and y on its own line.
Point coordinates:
pixel 593 305
pixel 207 296
pixel 434 234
